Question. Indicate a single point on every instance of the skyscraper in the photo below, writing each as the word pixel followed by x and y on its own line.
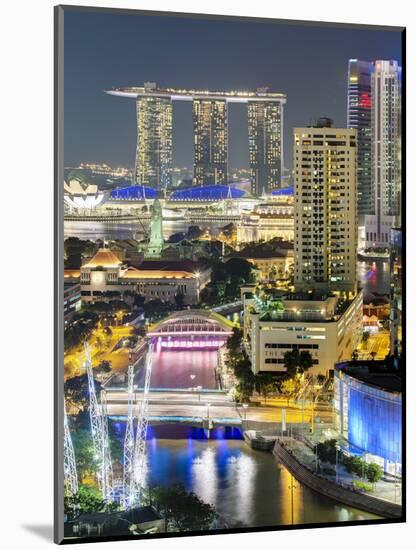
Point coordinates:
pixel 359 117
pixel 386 151
pixel 265 145
pixel 210 122
pixel 154 141
pixel 325 208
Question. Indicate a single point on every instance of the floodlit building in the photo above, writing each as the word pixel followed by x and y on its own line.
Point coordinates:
pixel 210 122
pixel 325 208
pixel 154 140
pixel 396 295
pixel 368 411
pixel 386 152
pixel 319 323
pixel 105 276
pixel 72 299
pixel 265 123
pixel 359 117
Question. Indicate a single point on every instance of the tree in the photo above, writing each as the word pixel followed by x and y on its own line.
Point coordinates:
pixel 355 465
pixel 305 361
pixel 76 391
pixel 184 511
pixel 179 300
pixel 264 384
pixel 374 473
pixel 297 363
pixel 327 451
pixel 234 341
pixel 88 499
pixel 104 366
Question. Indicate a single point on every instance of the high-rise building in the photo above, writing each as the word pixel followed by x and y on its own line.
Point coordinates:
pixel 154 141
pixel 210 123
pixel 386 152
pixel 265 145
pixel 325 208
pixel 359 117
pixel 396 294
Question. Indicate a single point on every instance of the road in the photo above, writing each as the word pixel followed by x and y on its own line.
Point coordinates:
pixel 378 342
pixel 187 404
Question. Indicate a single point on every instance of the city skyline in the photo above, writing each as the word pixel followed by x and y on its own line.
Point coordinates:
pixel 94 119
pixel 232 340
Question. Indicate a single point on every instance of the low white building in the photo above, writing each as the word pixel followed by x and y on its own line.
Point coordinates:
pixel 106 276
pixel 324 325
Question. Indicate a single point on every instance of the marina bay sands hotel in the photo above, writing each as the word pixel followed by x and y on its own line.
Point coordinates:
pixel 210 127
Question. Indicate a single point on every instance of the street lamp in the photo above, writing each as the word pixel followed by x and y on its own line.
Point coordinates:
pixel 192 377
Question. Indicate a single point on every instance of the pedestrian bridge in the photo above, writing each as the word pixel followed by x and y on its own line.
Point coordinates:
pixel 192 322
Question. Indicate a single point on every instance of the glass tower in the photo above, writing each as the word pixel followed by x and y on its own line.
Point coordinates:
pixel 359 117
pixel 386 113
pixel 265 145
pixel 154 142
pixel 210 123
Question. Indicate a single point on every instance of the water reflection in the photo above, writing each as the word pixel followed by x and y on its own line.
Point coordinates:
pixel 248 488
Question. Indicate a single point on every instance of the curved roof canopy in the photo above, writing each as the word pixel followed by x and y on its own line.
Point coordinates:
pixel 133 193
pixel 285 191
pixel 208 192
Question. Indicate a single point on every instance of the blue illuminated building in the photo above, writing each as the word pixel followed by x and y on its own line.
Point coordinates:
pixel 208 192
pixel 134 193
pixel 283 192
pixel 368 410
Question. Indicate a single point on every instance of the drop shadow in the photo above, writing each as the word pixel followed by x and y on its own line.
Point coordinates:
pixel 44 532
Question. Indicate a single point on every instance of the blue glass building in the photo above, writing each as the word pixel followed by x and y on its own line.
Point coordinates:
pixel 368 410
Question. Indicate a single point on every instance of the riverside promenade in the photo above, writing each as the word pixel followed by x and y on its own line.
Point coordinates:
pixel 301 463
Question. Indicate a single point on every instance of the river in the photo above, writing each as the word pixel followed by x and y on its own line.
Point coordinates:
pixel 248 488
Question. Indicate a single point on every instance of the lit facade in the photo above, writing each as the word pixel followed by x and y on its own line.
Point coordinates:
pixel 386 152
pixel 318 324
pixel 154 142
pixel 368 411
pixel 359 117
pixel 326 227
pixel 106 277
pixel 265 146
pixel 396 295
pixel 210 123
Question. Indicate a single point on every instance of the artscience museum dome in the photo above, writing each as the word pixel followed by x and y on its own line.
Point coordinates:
pixel 81 194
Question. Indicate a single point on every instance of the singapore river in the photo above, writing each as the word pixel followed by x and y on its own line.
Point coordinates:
pixel 248 488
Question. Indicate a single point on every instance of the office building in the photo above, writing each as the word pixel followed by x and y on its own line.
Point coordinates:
pixel 154 141
pixel 359 117
pixel 316 322
pixel 325 208
pixel 386 153
pixel 210 126
pixel 265 146
pixel 210 123
pixel 396 294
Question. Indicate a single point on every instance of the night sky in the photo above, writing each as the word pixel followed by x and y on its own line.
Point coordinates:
pixel 102 50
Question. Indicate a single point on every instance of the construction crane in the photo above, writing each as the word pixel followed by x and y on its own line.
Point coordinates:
pixel 70 467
